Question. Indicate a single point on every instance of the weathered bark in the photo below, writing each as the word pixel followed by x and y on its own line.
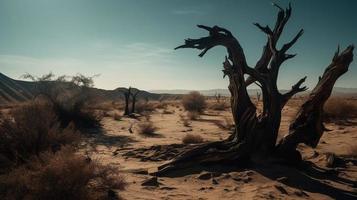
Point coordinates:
pixel 133 98
pixel 257 134
pixel 127 95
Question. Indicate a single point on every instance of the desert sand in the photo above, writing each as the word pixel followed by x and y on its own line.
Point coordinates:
pixel 135 155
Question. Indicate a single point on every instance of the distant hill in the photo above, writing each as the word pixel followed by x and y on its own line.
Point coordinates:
pixel 14 91
pixel 338 91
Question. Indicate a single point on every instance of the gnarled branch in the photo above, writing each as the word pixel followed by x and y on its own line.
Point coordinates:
pixel 308 125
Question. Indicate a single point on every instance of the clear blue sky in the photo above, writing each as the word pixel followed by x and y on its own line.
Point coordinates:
pixel 130 42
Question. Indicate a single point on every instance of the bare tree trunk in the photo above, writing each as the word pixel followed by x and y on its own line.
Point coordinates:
pixel 127 94
pixel 133 98
pixel 256 135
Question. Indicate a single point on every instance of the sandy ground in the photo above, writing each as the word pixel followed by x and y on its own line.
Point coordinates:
pixel 134 154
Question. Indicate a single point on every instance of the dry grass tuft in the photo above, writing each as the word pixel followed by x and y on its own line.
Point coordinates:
pixel 61 175
pixel 193 115
pixel 147 128
pixel 192 139
pixel 194 102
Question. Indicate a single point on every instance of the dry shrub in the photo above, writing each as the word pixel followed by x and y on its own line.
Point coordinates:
pixel 70 96
pixel 193 115
pixel 143 107
pixel 147 128
pixel 194 101
pixel 185 121
pixel 219 106
pixel 340 108
pixel 61 175
pixel 162 105
pixel 33 128
pixel 226 124
pixel 77 113
pixel 192 139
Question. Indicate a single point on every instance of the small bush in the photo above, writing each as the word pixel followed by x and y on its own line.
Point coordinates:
pixel 226 124
pixel 340 108
pixel 220 106
pixel 192 139
pixel 61 175
pixel 33 128
pixel 76 113
pixel 194 102
pixel 193 115
pixel 69 97
pixel 167 112
pixel 147 128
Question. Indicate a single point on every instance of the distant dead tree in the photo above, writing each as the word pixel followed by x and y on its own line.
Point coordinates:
pixel 133 99
pixel 255 134
pixel 127 94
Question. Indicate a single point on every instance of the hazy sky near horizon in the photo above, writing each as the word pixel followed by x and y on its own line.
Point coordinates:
pixel 131 42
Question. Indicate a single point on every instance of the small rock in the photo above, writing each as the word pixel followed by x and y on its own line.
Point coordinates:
pixel 205 176
pixel 151 182
pixel 249 173
pixel 315 155
pixel 281 189
pixel 227 176
pixel 202 188
pixel 300 193
pixel 247 179
pixel 237 178
pixel 282 179
pixel 226 190
pixel 141 171
pixel 111 194
pixel 168 188
pixel 214 181
pixel 330 160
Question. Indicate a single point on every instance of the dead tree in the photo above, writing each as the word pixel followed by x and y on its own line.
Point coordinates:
pixel 127 94
pixel 133 99
pixel 256 134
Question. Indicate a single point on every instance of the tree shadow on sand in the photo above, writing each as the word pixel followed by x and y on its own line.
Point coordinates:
pixel 100 136
pixel 308 177
pixel 311 178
